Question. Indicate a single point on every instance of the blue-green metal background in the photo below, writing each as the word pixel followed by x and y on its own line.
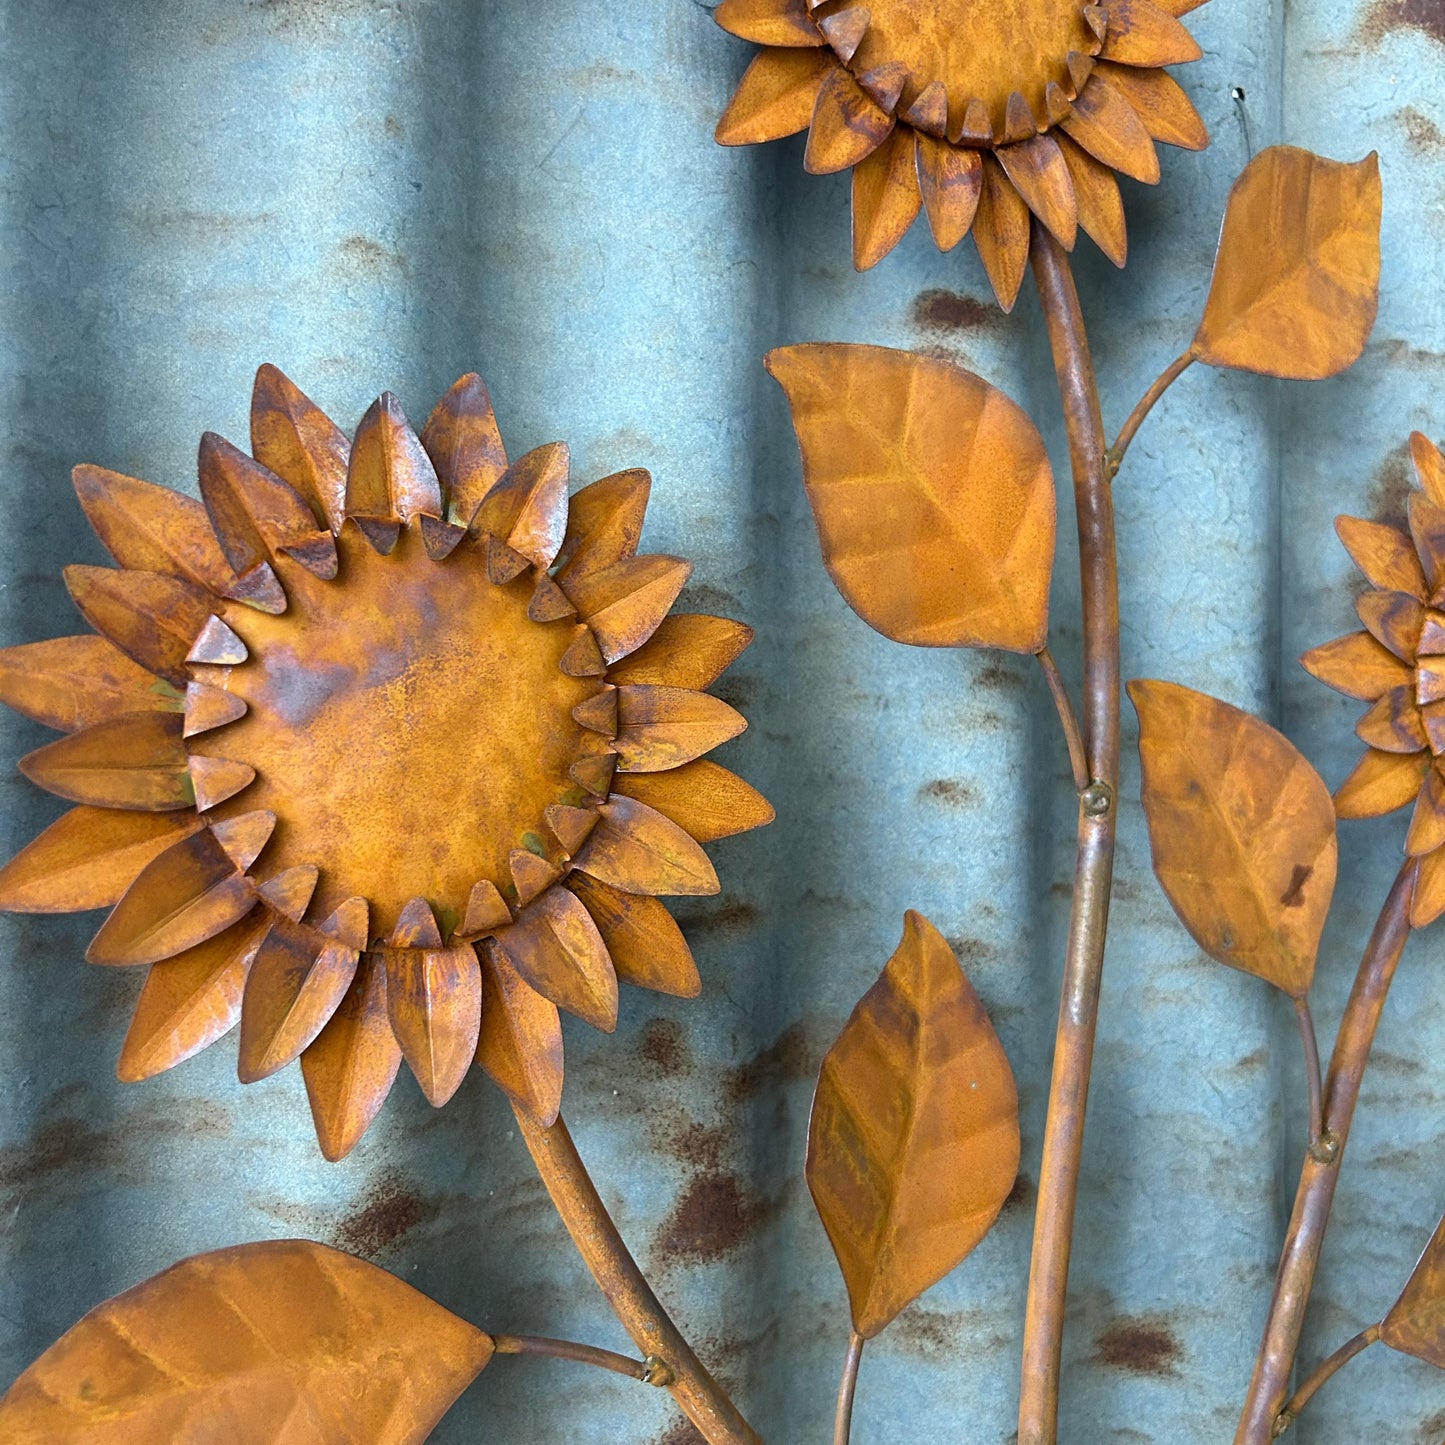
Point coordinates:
pixel 388 194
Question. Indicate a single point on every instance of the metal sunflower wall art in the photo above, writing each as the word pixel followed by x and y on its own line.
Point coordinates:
pixel 385 750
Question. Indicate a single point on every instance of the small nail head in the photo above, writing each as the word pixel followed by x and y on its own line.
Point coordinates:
pixel 1097 799
pixel 656 1371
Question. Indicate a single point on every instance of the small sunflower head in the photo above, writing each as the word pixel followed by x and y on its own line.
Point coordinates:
pixel 978 111
pixel 1397 665
pixel 384 749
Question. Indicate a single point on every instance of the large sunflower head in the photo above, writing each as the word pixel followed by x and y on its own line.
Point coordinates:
pixel 979 111
pixel 1398 666
pixel 383 750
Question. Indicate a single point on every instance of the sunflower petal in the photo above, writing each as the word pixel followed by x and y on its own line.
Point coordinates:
pixel 1427 529
pixel 1096 194
pixel 583 657
pixel 570 826
pixel 844 30
pixel 1427 825
pixel 527 509
pixel 604 523
pixel 769 22
pixel 1430 680
pixel 848 124
pixel 1355 665
pixel 664 727
pixel 689 649
pixel 929 111
pixel 486 910
pixel 190 1001
pixel 434 1001
pixel 291 891
pixel 350 1068
pixel 1041 176
pixel 134 761
pixel 642 937
pixel 549 602
pixel 416 927
pixel 776 96
pixel 1394 724
pixel 975 128
pixel 243 837
pixel 556 948
pixel 1105 124
pixel 886 198
pixel 69 683
pixel 625 603
pixel 1429 466
pixel 1384 554
pixel 208 708
pixel 594 773
pixel 637 849
pixel 598 713
pixel 1380 783
pixel 87 858
pixel 294 438
pixel 390 478
pixel 213 780
pixel 706 800
pixel 1393 618
pixel 147 528
pixel 531 875
pixel 1427 901
pixel 1168 114
pixel 950 178
pixel 297 981
pixel 1001 233
pixel 186 895
pixel 463 441
pixel 520 1044
pixel 1140 33
pixel 150 617
pixel 216 643
pixel 257 516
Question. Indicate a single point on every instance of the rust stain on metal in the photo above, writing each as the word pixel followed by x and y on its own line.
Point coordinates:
pixel 663 1047
pixel 792 1056
pixel 1386 16
pixel 1141 1345
pixel 952 792
pixel 939 309
pixel 392 1207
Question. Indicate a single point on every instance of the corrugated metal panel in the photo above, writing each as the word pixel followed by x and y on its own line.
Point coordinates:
pixel 387 194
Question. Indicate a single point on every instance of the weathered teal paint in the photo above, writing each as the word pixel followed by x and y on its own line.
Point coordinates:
pixel 387 194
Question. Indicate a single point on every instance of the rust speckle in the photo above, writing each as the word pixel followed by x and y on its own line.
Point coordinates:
pixel 1431 1430
pixel 996 676
pixel 391 1209
pixel 788 1058
pixel 664 1046
pixel 1021 1195
pixel 940 310
pixel 368 255
pixel 1385 16
pixel 683 1432
pixel 1391 486
pixel 713 1217
pixel 1141 1345
pixel 950 792
pixel 1293 896
pixel 1421 132
pixel 61 1144
pixel 720 915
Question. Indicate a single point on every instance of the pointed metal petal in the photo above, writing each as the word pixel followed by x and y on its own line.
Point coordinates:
pixel 294 438
pixel 638 850
pixel 434 1001
pixel 462 439
pixel 216 779
pixel 583 657
pixel 549 602
pixel 243 837
pixel 217 643
pixel 929 111
pixel 527 509
pixel 625 603
pixel 137 761
pixel 486 910
pixel 291 890
pixel 210 707
pixel 604 523
pixel 69 683
pixel 520 1043
pixel 416 927
pixel 556 948
pixel 390 477
pixel 705 800
pixel 598 713
pixel 150 617
pixel 663 727
pixel 646 945
pixel 571 826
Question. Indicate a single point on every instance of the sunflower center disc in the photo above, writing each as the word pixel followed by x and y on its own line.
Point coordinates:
pixel 408 723
pixel 982 49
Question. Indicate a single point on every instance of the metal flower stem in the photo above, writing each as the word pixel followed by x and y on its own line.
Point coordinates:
pixel 1079 1005
pixel 847 1389
pixel 650 1371
pixel 700 1397
pixel 1269 1387
pixel 1324 1371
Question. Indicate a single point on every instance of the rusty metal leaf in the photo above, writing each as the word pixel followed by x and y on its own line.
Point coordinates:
pixel 1242 831
pixel 137 760
pixel 913 1145
pixel 1416 1322
pixel 1296 280
pixel 434 999
pixel 281 1343
pixel 646 945
pixel 88 858
pixel 637 849
pixel 149 616
pixel 462 439
pixel 520 1045
pixel 932 493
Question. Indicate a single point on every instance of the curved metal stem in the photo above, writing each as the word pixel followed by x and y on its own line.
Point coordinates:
pixel 650 1371
pixel 1070 722
pixel 847 1388
pixel 1270 1383
pixel 1166 378
pixel 1318 1144
pixel 701 1398
pixel 1093 869
pixel 1331 1366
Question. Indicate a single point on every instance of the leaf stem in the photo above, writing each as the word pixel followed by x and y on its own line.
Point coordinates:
pixel 1166 378
pixel 1093 869
pixel 1072 736
pixel 1323 1371
pixel 650 1371
pixel 1321 1144
pixel 847 1388
pixel 701 1398
pixel 1300 1257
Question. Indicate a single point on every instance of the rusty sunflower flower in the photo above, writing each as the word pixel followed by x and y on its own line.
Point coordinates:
pixel 383 750
pixel 1398 666
pixel 979 111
